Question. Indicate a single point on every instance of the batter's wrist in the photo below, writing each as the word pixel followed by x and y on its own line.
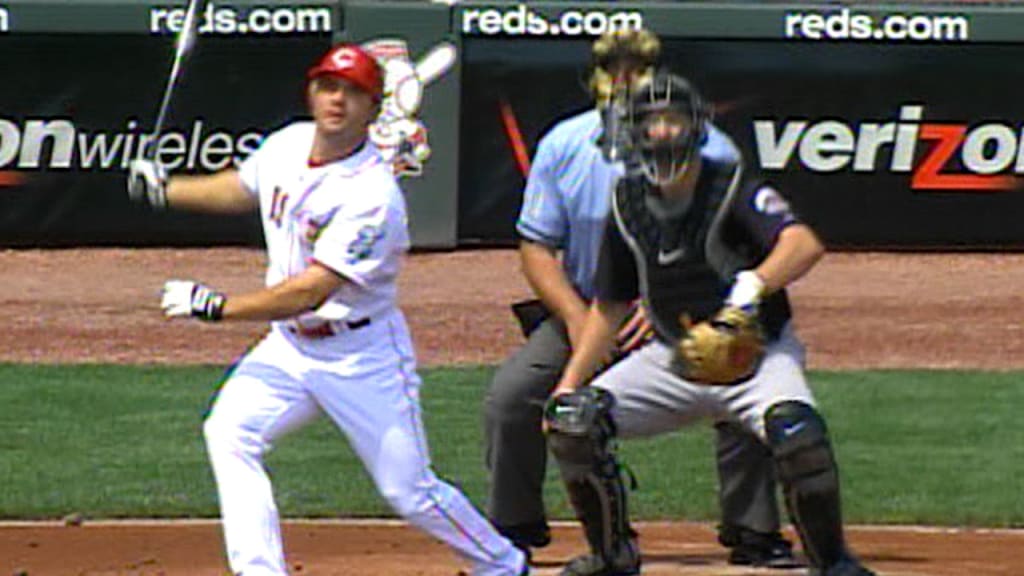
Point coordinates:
pixel 216 309
pixel 208 304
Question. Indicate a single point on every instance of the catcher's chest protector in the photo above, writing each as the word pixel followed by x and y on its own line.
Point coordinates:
pixel 686 261
pixel 671 249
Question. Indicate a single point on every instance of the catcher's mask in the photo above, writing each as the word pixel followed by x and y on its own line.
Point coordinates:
pixel 669 124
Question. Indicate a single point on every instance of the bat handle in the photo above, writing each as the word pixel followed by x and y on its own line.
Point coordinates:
pixel 149 146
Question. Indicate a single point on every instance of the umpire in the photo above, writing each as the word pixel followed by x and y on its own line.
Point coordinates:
pixel 566 203
pixel 708 242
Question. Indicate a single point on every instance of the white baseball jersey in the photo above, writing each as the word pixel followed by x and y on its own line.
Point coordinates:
pixel 350 216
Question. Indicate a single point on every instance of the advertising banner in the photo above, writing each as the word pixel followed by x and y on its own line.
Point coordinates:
pixel 896 129
pixel 77 106
pixel 888 126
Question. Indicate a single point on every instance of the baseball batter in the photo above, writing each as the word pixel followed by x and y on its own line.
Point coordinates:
pixel 565 204
pixel 334 221
pixel 709 248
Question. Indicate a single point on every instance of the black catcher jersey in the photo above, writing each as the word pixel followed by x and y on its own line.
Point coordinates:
pixel 681 257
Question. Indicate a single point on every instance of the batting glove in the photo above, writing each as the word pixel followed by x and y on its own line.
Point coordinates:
pixel 187 298
pixel 147 182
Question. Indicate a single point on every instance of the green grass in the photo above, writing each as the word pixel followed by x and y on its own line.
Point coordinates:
pixel 935 447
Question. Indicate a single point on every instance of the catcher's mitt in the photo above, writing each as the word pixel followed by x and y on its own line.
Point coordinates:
pixel 724 349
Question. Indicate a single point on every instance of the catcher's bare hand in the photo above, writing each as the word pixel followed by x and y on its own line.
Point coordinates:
pixel 725 349
pixel 147 183
pixel 184 298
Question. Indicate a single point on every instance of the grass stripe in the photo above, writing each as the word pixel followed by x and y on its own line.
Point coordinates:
pixel 914 447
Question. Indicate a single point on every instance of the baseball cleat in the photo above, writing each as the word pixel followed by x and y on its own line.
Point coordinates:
pixel 532 535
pixel 626 564
pixel 758 549
pixel 526 537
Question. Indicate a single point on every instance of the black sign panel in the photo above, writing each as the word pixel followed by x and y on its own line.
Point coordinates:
pixel 877 144
pixel 75 107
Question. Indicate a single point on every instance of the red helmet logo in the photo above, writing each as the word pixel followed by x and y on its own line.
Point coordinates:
pixel 342 59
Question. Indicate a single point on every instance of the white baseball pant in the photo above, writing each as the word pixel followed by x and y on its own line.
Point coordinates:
pixel 365 381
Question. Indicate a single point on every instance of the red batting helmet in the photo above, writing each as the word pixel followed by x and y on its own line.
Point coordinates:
pixel 353 64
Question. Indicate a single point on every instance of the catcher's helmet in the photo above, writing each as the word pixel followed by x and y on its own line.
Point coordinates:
pixel 353 64
pixel 668 120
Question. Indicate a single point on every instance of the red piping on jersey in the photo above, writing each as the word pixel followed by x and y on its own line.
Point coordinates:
pixel 318 163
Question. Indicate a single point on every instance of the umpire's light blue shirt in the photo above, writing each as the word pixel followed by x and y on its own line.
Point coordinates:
pixel 568 193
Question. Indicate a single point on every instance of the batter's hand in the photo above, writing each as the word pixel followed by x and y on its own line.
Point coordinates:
pixel 187 298
pixel 147 182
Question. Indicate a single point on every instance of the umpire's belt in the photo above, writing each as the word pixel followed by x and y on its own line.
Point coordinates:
pixel 328 329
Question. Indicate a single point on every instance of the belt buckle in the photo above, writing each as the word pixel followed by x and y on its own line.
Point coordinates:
pixel 328 329
pixel 319 331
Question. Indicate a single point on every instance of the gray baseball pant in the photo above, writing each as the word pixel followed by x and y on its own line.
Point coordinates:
pixel 516 449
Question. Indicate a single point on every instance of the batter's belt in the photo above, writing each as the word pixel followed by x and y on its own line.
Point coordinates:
pixel 328 329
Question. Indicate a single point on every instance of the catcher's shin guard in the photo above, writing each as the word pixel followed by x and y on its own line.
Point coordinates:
pixel 581 433
pixel 809 477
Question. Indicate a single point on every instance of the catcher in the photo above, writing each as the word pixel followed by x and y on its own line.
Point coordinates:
pixel 709 248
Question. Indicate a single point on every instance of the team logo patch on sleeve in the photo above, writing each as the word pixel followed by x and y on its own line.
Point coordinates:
pixel 767 200
pixel 362 246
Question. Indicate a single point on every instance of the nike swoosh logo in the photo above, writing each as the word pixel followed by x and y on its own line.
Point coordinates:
pixel 791 430
pixel 670 257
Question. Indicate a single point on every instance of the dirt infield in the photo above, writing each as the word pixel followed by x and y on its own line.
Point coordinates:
pixel 853 311
pixel 944 310
pixel 392 549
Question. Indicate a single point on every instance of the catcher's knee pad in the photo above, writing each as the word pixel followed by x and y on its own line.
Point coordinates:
pixel 809 477
pixel 799 440
pixel 581 431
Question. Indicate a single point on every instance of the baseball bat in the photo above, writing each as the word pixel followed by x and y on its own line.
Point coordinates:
pixel 182 49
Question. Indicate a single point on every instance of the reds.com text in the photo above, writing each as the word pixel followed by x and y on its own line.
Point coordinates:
pixel 229 20
pixel 847 25
pixel 521 20
pixel 959 156
pixel 57 143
